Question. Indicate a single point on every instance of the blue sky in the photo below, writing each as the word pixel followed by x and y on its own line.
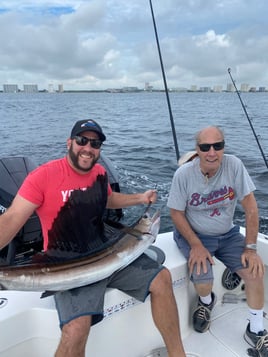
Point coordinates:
pixel 103 44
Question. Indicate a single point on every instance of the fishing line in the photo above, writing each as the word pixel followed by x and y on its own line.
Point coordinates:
pixel 249 120
pixel 165 84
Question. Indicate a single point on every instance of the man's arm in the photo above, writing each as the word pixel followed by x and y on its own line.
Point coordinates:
pixel 121 200
pixel 181 223
pixel 14 218
pixel 198 253
pixel 250 258
pixel 252 218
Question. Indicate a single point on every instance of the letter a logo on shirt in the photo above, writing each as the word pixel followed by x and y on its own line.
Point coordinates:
pixel 215 212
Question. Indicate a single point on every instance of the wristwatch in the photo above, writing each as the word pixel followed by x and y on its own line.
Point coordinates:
pixel 252 246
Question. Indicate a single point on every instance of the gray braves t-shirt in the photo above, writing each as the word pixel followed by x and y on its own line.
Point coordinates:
pixel 209 203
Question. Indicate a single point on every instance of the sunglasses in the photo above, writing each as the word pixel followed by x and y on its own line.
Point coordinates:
pixel 216 146
pixel 83 141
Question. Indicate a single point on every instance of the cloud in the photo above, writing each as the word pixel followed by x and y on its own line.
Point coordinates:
pixel 111 43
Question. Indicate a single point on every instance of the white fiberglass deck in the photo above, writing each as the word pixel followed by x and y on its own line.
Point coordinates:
pixel 29 326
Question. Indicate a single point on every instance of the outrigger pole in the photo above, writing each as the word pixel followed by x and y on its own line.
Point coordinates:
pixel 166 88
pixel 250 123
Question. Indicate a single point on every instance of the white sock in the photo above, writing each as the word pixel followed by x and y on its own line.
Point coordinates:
pixel 256 320
pixel 206 299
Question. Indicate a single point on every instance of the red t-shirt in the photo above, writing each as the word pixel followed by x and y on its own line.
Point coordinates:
pixel 50 186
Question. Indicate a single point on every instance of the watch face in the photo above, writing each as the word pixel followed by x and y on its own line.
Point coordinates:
pixel 251 246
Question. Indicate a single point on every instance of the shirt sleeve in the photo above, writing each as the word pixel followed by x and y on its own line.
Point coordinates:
pixel 243 182
pixel 178 194
pixel 32 187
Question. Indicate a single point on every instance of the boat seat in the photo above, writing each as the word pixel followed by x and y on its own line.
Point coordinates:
pixel 13 171
pixel 155 253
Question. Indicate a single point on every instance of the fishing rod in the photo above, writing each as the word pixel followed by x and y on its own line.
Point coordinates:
pixel 250 123
pixel 165 84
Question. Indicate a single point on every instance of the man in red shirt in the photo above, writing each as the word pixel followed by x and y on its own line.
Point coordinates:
pixel 70 195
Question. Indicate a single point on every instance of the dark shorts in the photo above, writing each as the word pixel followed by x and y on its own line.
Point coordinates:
pixel 228 248
pixel 134 280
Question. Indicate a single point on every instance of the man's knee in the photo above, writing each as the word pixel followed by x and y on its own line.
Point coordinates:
pixel 248 277
pixel 74 336
pixel 162 281
pixel 203 278
pixel 78 329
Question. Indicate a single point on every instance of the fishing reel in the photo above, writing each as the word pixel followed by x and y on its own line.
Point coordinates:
pixel 230 280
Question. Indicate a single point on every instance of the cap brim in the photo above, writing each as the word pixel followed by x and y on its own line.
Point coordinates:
pixel 188 156
pixel 101 135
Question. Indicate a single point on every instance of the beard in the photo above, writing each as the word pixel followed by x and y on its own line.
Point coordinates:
pixel 75 160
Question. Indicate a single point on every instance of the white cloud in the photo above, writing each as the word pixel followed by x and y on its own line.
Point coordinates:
pixel 210 38
pixel 110 43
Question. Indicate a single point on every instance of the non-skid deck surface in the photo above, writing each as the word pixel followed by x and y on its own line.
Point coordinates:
pixel 225 336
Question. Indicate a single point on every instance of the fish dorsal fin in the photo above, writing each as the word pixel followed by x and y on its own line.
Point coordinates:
pixel 78 227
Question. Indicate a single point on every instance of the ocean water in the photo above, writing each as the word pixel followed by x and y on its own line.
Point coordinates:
pixel 139 136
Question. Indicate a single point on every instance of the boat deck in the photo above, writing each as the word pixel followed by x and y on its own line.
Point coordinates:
pixel 225 336
pixel 29 325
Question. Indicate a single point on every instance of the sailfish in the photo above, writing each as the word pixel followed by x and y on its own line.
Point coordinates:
pixel 82 248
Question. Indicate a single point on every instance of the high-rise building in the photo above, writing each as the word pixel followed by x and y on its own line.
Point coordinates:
pixel 244 87
pixel 60 88
pixel 30 88
pixel 147 87
pixel 193 88
pixel 10 88
pixel 50 88
pixel 205 89
pixel 217 89
pixel 230 87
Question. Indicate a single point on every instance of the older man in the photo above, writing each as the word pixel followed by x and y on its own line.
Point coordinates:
pixel 202 202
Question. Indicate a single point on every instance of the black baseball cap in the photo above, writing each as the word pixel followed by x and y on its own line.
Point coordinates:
pixel 87 125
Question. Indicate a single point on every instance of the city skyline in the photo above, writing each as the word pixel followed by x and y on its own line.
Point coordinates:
pixel 34 88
